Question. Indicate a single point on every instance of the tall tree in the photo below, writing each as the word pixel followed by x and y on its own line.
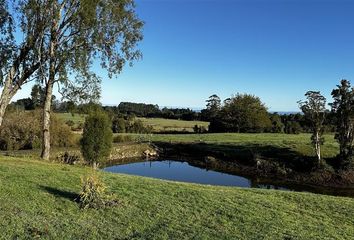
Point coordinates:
pixel 20 59
pixel 314 109
pixel 277 124
pixel 213 106
pixel 37 95
pixel 343 107
pixel 80 32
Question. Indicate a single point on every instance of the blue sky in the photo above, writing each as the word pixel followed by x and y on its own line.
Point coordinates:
pixel 276 50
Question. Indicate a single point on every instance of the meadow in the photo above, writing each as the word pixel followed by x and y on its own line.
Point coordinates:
pixel 157 124
pixel 172 125
pixel 76 118
pixel 37 201
pixel 299 143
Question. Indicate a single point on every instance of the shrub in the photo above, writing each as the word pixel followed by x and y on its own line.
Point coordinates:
pixel 199 129
pixel 138 127
pixel 92 194
pixel 129 125
pixel 20 130
pixel 68 157
pixel 61 134
pixel 96 141
pixel 118 125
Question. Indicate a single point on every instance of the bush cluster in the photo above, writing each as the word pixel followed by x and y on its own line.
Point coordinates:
pixel 129 125
pixel 22 130
pixel 68 157
pixel 199 129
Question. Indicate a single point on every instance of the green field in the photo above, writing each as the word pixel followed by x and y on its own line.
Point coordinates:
pixel 165 125
pixel 36 201
pixel 76 118
pixel 299 143
pixel 158 124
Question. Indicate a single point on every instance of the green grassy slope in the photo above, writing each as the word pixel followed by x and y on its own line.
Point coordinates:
pixel 36 200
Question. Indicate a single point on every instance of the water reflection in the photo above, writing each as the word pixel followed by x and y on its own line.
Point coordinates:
pixel 180 171
pixel 195 172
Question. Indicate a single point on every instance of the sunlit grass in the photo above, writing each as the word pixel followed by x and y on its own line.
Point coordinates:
pixel 163 125
pixel 36 200
pixel 295 142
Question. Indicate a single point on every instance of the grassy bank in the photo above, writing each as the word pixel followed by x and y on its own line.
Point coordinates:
pixel 119 151
pixel 298 143
pixel 36 200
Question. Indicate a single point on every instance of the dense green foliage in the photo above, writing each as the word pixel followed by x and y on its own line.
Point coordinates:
pixel 213 107
pixel 241 113
pixel 155 209
pixel 277 124
pixel 96 142
pixel 152 111
pixel 129 124
pixel 343 107
pixel 20 130
pixel 138 109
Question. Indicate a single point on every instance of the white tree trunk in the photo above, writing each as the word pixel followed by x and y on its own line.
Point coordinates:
pixel 46 122
pixel 7 94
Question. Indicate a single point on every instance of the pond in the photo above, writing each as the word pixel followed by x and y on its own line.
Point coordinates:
pixel 183 171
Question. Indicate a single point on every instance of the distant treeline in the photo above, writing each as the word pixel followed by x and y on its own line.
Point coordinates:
pixel 153 111
pixel 239 113
pixel 245 113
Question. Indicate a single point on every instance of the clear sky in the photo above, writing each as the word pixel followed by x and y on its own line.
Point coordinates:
pixel 275 49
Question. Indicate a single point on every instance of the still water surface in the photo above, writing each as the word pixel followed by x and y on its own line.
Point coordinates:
pixel 182 171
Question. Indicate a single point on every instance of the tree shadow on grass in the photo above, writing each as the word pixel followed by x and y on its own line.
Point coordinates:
pixel 72 196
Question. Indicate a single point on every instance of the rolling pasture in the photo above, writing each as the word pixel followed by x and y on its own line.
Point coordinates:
pixel 172 125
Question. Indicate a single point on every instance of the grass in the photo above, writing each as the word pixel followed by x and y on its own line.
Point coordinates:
pixel 171 125
pixel 299 143
pixel 36 201
pixel 76 118
pixel 119 151
pixel 158 124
